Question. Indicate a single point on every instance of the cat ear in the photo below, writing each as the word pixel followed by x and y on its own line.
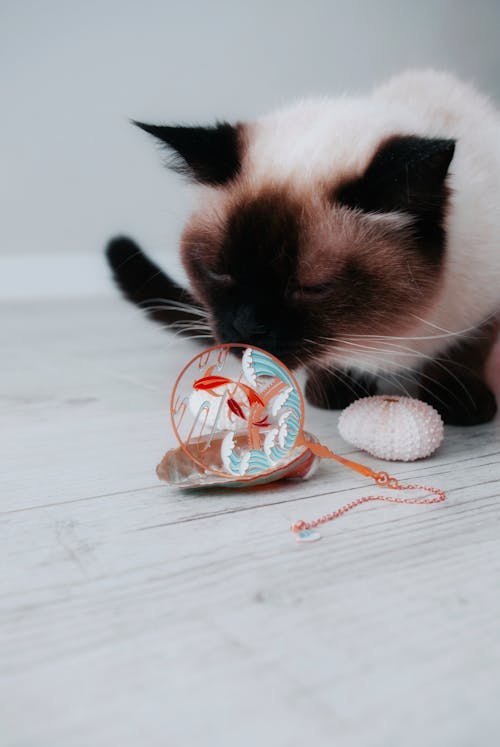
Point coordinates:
pixel 210 155
pixel 407 173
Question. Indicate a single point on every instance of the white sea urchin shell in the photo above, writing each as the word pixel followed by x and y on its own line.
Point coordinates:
pixel 394 428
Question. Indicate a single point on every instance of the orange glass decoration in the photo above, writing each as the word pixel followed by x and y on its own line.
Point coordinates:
pixel 238 414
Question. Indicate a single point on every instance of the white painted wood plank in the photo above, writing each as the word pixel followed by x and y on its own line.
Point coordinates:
pixel 351 626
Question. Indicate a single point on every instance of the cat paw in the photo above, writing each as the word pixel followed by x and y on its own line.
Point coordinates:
pixel 336 390
pixel 461 401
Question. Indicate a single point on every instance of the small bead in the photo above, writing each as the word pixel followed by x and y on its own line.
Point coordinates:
pixel 307 535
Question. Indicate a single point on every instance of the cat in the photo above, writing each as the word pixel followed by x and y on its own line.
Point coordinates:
pixel 356 237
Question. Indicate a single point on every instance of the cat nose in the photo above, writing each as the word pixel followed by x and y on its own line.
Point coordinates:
pixel 247 325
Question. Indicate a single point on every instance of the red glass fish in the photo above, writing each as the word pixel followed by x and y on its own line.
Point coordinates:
pixel 262 423
pixel 236 408
pixel 210 383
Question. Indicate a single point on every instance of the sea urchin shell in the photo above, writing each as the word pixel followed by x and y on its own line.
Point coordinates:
pixel 394 428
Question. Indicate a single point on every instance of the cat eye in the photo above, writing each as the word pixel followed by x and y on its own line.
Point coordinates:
pixel 316 289
pixel 311 290
pixel 219 278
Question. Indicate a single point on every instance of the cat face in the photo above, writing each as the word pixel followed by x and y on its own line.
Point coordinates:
pixel 303 267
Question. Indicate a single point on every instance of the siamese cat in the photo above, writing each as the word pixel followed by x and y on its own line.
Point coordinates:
pixel 356 237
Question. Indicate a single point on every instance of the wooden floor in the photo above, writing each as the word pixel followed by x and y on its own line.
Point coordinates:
pixel 134 614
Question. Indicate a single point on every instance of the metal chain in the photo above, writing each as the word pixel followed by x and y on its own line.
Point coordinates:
pixel 384 480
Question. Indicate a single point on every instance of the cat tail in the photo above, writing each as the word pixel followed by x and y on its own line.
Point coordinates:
pixel 146 285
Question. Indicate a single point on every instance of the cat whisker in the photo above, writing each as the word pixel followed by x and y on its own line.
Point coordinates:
pixel 410 338
pixel 138 289
pixel 395 383
pixel 444 333
pixel 404 351
pixel 183 324
pixel 170 305
pixel 487 319
pixel 420 374
pixel 409 351
pixel 165 307
pixel 432 324
pixel 447 370
pixel 182 334
pixel 345 381
pixel 439 384
pixel 365 348
pixel 180 304
pixel 199 322
pixel 432 392
pixel 186 331
pixel 198 337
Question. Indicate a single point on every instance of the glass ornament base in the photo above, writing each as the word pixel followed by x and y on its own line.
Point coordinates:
pixel 178 469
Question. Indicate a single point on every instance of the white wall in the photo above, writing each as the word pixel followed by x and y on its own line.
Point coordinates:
pixel 74 172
